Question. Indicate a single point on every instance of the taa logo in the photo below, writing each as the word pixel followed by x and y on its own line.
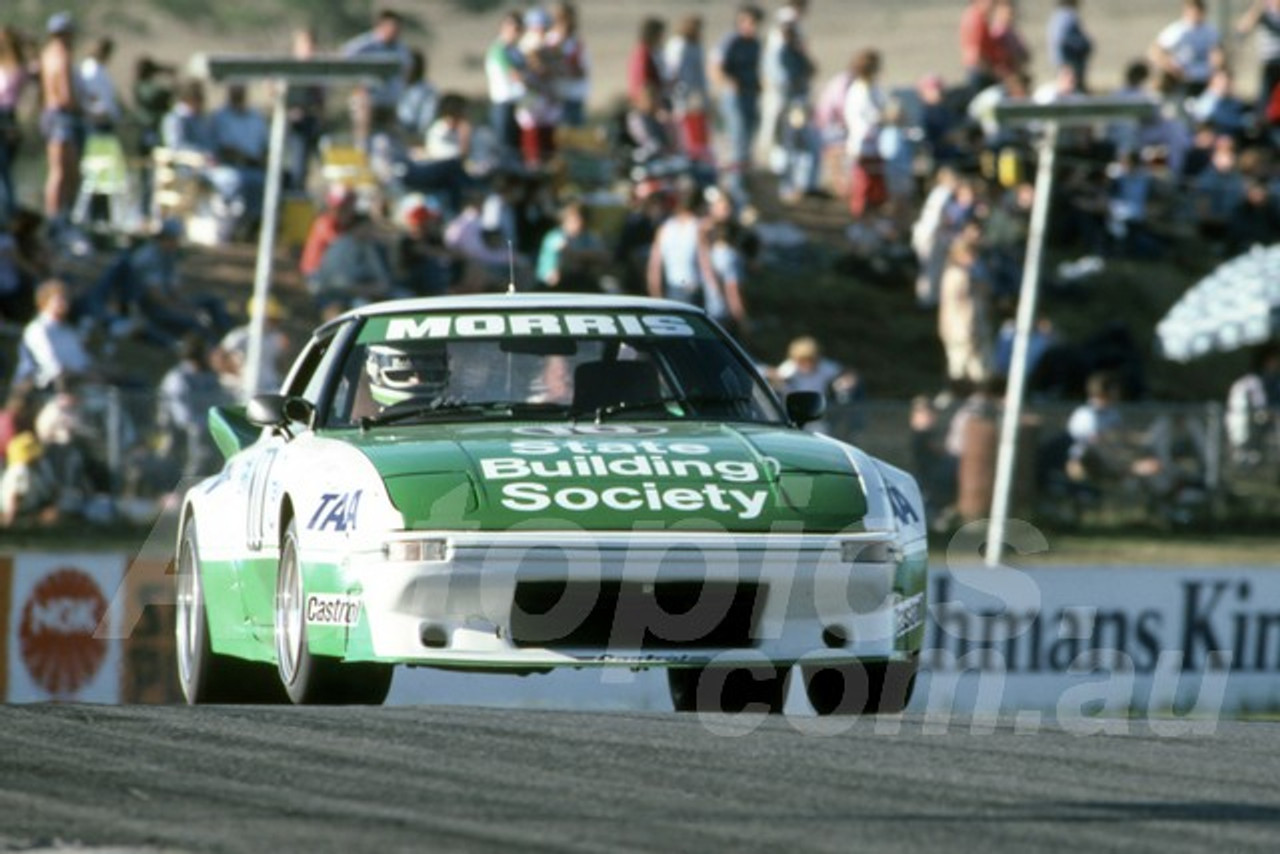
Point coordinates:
pixel 337 512
pixel 902 509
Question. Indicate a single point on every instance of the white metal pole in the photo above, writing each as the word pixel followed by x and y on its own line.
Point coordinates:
pixel 266 243
pixel 1018 363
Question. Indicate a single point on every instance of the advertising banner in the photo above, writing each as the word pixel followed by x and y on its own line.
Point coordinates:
pixel 57 604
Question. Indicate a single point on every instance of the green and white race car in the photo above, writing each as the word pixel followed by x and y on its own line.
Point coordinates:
pixel 515 483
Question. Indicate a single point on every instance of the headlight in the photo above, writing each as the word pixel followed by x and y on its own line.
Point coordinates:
pixel 416 551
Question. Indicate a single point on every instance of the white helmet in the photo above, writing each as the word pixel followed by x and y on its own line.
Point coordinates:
pixel 404 370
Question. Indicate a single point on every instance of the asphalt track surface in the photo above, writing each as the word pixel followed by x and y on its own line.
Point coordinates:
pixel 427 779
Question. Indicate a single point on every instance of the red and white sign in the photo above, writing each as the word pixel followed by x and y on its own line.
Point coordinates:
pixel 56 650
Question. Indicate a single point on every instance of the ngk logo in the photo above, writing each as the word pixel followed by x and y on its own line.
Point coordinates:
pixel 55 636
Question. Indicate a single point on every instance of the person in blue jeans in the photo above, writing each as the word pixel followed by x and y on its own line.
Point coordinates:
pixel 738 63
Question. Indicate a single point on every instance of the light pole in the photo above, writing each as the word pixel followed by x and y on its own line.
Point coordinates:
pixel 284 71
pixel 1051 117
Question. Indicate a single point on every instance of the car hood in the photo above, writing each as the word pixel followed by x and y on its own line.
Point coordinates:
pixel 686 476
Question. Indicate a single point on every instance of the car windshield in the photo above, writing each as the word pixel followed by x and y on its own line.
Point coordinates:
pixel 578 366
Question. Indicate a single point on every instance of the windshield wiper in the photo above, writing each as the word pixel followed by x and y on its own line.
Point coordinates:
pixel 683 401
pixel 445 407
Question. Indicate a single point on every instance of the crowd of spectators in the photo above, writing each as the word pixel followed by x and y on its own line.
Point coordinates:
pixel 472 194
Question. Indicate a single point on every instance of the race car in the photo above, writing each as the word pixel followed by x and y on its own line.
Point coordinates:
pixel 515 483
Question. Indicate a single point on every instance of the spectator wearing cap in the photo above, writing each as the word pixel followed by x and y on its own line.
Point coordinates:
pixel 13 81
pixel 51 347
pixel 423 264
pixel 233 349
pixel 373 108
pixel 737 64
pixel 1188 50
pixel 28 487
pixel 61 118
pixel 504 69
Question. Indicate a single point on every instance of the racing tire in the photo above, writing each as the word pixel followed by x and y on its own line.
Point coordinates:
pixel 316 679
pixel 862 688
pixel 206 676
pixel 730 690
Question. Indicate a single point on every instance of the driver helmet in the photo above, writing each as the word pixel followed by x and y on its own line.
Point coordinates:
pixel 403 370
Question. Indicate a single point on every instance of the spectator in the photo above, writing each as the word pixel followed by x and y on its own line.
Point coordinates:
pixel 931 237
pixel 1219 108
pixel 442 167
pixel 1069 44
pixel 778 81
pixel 354 270
pixel 792 127
pixel 336 218
pixel 647 132
pixel 572 257
pixel 51 347
pixel 60 121
pixel 730 270
pixel 737 61
pixel 1253 402
pixel 1255 221
pixel 538 111
pixel 424 265
pixel 186 126
pixel 680 260
pixel 505 71
pixel 964 311
pixel 13 80
pixel 69 441
pixel 18 414
pixel 28 487
pixel 1218 191
pixel 864 107
pixel 685 73
pixel 644 68
pixel 573 83
pixel 233 350
pixel 97 89
pixel 645 212
pixel 304 109
pixel 1101 452
pixel 373 108
pixel 144 287
pixel 1008 53
pixel 416 109
pixel 240 137
pixel 1263 17
pixel 975 45
pixel 1189 49
pixel 938 122
pixel 152 99
pixel 187 392
pixel 807 369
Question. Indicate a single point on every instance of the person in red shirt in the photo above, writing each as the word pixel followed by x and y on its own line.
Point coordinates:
pixel 1007 51
pixel 339 214
pixel 975 44
pixel 643 71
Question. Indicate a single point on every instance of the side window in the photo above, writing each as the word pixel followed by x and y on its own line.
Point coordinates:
pixel 313 369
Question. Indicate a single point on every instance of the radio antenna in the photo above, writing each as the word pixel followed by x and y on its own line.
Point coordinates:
pixel 511 266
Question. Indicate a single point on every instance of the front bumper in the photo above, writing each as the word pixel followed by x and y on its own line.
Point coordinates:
pixel 584 599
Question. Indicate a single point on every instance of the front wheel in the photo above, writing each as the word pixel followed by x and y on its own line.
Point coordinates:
pixel 732 690
pixel 207 676
pixel 315 679
pixel 872 688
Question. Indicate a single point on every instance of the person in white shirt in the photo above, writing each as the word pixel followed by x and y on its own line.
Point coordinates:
pixel 51 348
pixel 97 89
pixel 1189 49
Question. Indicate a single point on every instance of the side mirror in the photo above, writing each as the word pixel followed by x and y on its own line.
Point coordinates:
pixel 805 407
pixel 278 410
